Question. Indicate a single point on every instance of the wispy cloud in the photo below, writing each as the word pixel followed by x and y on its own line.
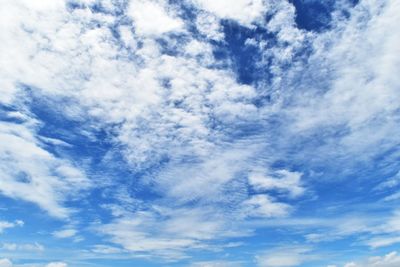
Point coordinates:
pixel 389 260
pixel 6 225
pixel 285 257
pixel 31 173
pixel 35 247
pixel 66 233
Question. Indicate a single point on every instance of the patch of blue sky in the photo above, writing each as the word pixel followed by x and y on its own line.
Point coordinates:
pixel 313 15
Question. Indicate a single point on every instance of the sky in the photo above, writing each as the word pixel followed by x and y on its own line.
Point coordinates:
pixel 199 133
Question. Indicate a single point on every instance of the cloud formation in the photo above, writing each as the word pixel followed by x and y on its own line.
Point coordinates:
pixel 173 129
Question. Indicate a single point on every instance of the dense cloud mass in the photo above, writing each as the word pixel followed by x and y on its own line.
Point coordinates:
pixel 199 133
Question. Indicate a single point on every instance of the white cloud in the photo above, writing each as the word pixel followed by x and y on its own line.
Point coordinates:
pixel 216 264
pixel 35 247
pixel 209 177
pixel 209 25
pixel 173 121
pixel 386 233
pixel 5 263
pixel 13 16
pixel 152 18
pixel 392 197
pixel 359 92
pixel 264 206
pixel 65 233
pixel 57 264
pixel 371 230
pixel 284 257
pixel 8 263
pixel 390 183
pixel 245 12
pixel 5 225
pixel 290 40
pixel 183 109
pixel 284 260
pixel 104 249
pixel 33 174
pixel 81 63
pixel 281 180
pixel 166 232
pixel 30 172
pixel 385 241
pixel 391 259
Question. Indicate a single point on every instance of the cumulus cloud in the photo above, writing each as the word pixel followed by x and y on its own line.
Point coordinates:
pixel 152 18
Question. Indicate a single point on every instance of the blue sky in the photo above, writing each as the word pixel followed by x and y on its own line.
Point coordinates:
pixel 199 133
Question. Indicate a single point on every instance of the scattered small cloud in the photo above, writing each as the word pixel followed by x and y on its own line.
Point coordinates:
pixel 6 225
pixel 65 233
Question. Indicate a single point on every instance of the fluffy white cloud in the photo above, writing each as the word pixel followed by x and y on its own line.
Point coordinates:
pixel 153 18
pixel 243 11
pixel 209 25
